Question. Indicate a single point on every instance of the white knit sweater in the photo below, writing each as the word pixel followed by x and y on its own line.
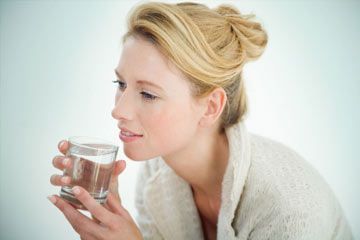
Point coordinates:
pixel 268 192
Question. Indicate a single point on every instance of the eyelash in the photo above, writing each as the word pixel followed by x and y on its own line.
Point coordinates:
pixel 146 96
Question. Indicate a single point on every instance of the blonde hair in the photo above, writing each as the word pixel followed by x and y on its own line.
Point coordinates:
pixel 209 46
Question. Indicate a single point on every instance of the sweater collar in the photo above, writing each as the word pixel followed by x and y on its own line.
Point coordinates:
pixel 234 178
pixel 174 210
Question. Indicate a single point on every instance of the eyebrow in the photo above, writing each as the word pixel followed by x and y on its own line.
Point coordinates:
pixel 141 82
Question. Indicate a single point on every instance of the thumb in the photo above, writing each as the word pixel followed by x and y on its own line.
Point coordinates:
pixel 118 168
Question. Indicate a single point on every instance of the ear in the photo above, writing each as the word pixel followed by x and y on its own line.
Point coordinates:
pixel 214 105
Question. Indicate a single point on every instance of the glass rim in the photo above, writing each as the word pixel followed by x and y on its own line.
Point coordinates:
pixel 74 141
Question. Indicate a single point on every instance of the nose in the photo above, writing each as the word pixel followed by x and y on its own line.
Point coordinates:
pixel 123 107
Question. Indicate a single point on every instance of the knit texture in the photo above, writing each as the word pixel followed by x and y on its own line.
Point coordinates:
pixel 268 192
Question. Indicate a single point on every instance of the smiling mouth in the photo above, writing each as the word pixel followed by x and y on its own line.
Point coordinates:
pixel 129 138
pixel 129 134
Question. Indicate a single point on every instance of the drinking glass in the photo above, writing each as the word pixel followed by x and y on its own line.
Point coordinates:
pixel 92 163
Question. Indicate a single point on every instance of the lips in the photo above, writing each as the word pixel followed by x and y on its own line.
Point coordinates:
pixel 127 132
pixel 126 137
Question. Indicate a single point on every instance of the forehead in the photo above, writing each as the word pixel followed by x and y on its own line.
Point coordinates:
pixel 141 60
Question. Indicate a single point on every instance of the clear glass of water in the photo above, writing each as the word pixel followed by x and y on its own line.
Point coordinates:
pixel 92 163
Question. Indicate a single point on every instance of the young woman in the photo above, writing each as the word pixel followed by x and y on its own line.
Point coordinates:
pixel 182 100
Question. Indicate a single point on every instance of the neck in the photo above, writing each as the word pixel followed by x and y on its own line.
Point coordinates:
pixel 202 163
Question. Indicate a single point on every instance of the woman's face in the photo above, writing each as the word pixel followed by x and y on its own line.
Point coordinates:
pixel 166 116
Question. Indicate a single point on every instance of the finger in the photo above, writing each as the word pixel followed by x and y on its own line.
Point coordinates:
pixel 81 223
pixel 61 162
pixel 106 205
pixel 99 212
pixel 119 167
pixel 63 146
pixel 60 180
pixel 114 204
pixel 97 221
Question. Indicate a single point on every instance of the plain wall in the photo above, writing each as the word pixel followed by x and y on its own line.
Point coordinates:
pixel 56 67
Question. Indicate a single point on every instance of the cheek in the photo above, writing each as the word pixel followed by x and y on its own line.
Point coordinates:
pixel 170 128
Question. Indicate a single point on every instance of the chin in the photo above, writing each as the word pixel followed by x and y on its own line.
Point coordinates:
pixel 138 155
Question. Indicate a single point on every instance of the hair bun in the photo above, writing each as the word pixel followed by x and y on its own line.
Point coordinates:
pixel 251 35
pixel 226 10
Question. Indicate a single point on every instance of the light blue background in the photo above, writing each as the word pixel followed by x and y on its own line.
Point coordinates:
pixel 56 68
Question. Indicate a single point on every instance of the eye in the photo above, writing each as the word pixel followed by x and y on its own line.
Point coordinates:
pixel 148 96
pixel 120 83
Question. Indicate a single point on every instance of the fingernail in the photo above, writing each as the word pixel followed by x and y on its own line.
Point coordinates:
pixel 65 179
pixel 52 199
pixel 66 161
pixel 61 144
pixel 76 190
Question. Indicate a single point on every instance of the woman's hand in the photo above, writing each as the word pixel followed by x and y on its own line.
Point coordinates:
pixel 113 222
pixel 59 163
pixel 113 217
